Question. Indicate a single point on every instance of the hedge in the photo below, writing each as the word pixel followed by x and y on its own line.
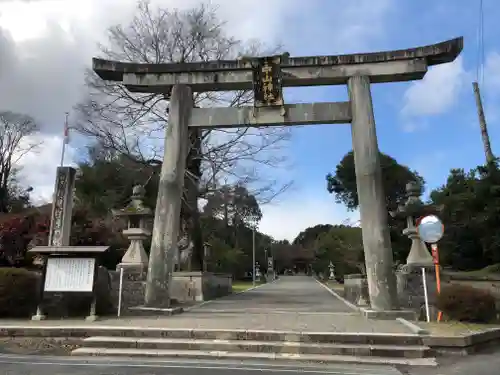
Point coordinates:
pixel 467 304
pixel 19 296
pixel 18 292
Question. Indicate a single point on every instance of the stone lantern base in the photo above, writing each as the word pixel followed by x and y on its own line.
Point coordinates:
pixel 133 286
pixel 411 293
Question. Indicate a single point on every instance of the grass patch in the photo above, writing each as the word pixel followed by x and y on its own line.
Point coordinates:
pixel 335 286
pixel 241 286
pixel 455 328
pixel 491 270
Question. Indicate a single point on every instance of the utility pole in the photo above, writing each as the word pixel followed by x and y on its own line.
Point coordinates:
pixel 482 124
pixel 253 255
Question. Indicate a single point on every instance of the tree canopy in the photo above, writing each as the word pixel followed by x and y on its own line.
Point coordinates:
pixel 342 183
pixel 471 203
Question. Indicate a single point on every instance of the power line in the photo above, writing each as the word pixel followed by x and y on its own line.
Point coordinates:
pixel 480 45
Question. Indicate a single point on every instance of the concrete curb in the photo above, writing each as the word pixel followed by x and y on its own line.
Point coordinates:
pixel 336 295
pixel 201 304
pixel 465 344
pixel 414 328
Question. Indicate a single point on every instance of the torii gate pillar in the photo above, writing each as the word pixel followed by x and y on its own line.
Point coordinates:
pixel 168 202
pixel 376 239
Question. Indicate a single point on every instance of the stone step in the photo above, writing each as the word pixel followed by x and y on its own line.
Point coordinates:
pixel 305 358
pixel 290 347
pixel 220 334
pixel 255 335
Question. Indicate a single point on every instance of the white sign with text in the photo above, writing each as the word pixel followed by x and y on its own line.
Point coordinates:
pixel 69 275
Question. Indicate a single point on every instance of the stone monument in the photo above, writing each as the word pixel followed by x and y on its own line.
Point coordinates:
pixel 267 76
pixel 409 276
pixel 57 302
pixel 60 219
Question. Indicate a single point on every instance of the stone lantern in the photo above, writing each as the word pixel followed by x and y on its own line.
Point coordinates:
pixel 409 275
pixel 135 258
pixel 412 209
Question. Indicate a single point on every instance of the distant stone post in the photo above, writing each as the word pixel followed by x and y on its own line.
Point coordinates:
pixel 168 203
pixel 60 220
pixel 409 276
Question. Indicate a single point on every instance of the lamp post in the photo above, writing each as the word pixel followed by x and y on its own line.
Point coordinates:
pixel 253 224
pixel 253 254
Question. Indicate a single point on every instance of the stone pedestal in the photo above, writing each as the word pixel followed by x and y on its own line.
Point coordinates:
pixel 135 256
pixel 411 289
pixel 419 254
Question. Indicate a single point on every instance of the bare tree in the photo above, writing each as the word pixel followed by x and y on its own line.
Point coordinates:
pixel 15 130
pixel 134 124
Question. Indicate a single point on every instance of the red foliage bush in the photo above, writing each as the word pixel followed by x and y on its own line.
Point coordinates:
pixel 18 233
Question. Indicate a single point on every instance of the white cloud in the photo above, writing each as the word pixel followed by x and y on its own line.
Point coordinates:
pixel 437 92
pixel 295 212
pixel 492 72
pixel 45 46
pixel 39 167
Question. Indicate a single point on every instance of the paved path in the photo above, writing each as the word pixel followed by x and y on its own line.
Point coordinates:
pixel 292 303
pixel 288 294
pixel 32 365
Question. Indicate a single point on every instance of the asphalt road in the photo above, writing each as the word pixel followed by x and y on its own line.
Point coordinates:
pixel 37 365
pixel 481 364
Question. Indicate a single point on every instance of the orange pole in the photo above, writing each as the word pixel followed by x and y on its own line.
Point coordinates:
pixel 435 255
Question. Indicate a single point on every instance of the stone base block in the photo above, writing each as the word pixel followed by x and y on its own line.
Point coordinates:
pixel 356 289
pixel 388 314
pixel 411 293
pixel 133 268
pixel 39 317
pixel 133 289
pixel 92 318
pixel 199 286
pixel 155 311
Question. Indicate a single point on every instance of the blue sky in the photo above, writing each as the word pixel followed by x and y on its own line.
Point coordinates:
pixel 431 143
pixel 429 125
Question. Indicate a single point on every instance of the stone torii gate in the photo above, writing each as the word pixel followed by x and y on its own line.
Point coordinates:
pixel 266 77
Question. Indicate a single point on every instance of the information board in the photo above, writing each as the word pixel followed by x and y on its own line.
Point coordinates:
pixel 69 275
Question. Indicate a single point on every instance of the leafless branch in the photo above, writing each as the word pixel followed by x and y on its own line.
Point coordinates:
pixel 15 142
pixel 134 124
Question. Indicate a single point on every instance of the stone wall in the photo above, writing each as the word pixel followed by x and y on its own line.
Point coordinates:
pixel 186 288
pixel 200 286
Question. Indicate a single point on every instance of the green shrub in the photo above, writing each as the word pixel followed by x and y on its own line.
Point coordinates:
pixel 467 304
pixel 18 292
pixel 492 269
